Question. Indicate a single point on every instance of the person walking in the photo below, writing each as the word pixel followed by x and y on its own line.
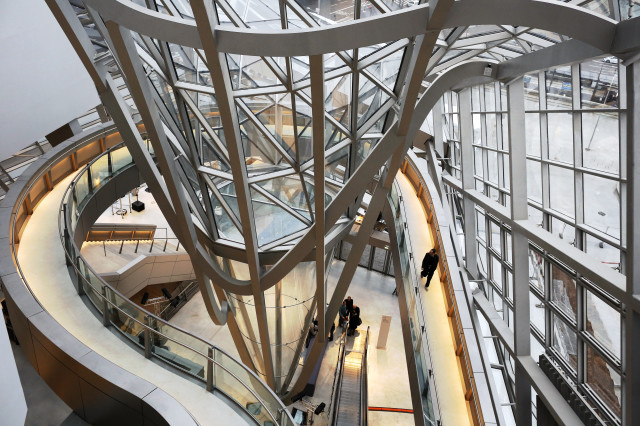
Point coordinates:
pixel 429 266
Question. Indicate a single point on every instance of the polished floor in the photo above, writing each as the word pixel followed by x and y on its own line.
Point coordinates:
pixel 448 375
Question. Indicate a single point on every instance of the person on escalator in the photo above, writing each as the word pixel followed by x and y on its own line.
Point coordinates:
pixel 429 266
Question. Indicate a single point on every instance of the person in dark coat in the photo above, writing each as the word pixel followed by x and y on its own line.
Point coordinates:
pixel 343 313
pixel 349 302
pixel 429 266
pixel 354 320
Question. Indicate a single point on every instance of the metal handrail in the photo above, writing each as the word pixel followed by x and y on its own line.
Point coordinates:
pixel 449 287
pixel 64 219
pixel 184 345
pixel 364 393
pixel 417 296
pixel 338 387
pixel 71 149
pixel 122 241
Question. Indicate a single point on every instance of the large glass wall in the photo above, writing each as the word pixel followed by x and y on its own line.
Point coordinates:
pixel 574 185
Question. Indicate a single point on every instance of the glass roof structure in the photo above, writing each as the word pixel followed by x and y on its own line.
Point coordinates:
pixel 256 107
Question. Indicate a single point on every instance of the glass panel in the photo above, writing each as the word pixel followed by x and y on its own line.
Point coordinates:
pixel 120 158
pixel 532 129
pixel 495 235
pixel 564 231
pixel 536 309
pixel 536 270
pixel 489 97
pixel 481 226
pixel 599 83
pixel 564 292
pixel 565 342
pixel 127 317
pixel 534 180
pixel 531 92
pixel 178 356
pixel 602 204
pixel 534 215
pixel 558 87
pixel 601 141
pixel 492 134
pixel 560 137
pixel 603 323
pixel 603 252
pixel 604 380
pixel 496 271
pixel 82 189
pixel 477 161
pixel 492 166
pixel 561 190
pixel 508 251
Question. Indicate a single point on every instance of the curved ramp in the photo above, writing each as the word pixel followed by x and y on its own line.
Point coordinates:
pixel 454 409
pixel 42 260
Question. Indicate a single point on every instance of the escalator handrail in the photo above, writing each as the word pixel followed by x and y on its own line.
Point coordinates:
pixel 364 406
pixel 338 386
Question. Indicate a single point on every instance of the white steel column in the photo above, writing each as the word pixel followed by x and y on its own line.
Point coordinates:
pixel 468 181
pixel 631 334
pixel 317 107
pixel 207 21
pixel 520 246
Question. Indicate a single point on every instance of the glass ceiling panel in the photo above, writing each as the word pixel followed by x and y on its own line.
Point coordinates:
pixel 272 221
pixel 289 190
pixel 248 72
pixel 224 224
pixel 189 66
pixel 370 99
pixel 338 99
pixel 386 70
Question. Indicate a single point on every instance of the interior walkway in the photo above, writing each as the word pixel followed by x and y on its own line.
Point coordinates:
pixel 447 372
pixel 387 374
pixel 42 260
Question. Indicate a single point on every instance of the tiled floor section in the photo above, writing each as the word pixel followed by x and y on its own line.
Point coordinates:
pixel 42 259
pixel 453 407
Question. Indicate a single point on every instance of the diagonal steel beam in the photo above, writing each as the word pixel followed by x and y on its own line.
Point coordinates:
pixel 207 21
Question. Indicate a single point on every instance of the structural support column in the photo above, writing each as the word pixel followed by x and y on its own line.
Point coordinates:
pixel 207 20
pixel 520 245
pixel 631 341
pixel 468 181
pixel 317 108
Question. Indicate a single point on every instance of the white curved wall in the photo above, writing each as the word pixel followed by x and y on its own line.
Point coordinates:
pixel 43 85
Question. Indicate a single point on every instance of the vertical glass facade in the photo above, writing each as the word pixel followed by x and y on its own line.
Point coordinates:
pixel 574 138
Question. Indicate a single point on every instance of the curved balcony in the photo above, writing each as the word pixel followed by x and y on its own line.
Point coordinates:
pixel 159 339
pixel 92 379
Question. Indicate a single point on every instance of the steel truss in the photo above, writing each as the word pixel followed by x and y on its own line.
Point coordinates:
pixel 313 105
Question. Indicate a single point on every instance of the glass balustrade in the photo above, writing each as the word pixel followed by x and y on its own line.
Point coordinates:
pixel 411 283
pixel 178 348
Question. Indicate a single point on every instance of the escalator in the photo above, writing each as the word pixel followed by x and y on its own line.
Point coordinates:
pixel 350 400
